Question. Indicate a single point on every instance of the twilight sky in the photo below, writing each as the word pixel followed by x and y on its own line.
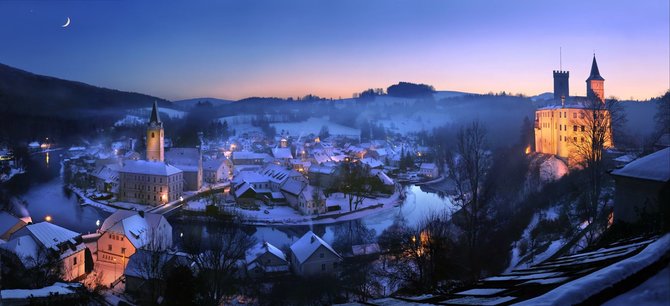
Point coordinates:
pixel 235 49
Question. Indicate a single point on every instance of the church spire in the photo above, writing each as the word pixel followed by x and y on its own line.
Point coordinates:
pixel 595 73
pixel 155 119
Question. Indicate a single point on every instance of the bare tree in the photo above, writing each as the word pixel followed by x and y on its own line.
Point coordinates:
pixel 468 168
pixel 217 258
pixel 151 265
pixel 593 133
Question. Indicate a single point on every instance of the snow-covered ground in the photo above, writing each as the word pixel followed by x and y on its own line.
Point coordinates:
pixel 130 120
pixel 12 173
pixel 554 246
pixel 87 201
pixel 290 216
pixel 313 125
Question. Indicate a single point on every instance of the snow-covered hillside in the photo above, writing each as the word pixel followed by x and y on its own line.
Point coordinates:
pixel 313 125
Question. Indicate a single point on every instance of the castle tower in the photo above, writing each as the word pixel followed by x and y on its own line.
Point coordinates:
pixel 561 84
pixel 595 84
pixel 155 142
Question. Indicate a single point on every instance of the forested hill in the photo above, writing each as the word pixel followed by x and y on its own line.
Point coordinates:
pixel 22 92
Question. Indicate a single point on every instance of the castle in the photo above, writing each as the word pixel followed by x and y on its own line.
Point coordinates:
pixel 567 130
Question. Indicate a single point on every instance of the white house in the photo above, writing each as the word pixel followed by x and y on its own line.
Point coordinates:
pixel 310 255
pixel 125 231
pixel 215 170
pixel 264 258
pixel 35 241
pixel 429 170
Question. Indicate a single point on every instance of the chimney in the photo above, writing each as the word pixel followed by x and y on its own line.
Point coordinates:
pixel 141 213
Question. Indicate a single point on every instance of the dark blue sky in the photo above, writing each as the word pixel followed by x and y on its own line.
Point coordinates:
pixel 234 49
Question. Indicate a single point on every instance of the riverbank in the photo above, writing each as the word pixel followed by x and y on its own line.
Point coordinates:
pixel 288 216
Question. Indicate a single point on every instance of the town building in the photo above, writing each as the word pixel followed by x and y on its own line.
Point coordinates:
pixel 564 130
pixel 266 259
pixel 34 243
pixel 125 231
pixel 310 255
pixel 152 183
pixel 429 170
pixel 642 188
pixel 188 160
pixel 215 170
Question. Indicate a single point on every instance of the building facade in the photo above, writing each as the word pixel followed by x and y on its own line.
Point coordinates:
pixel 152 183
pixel 568 130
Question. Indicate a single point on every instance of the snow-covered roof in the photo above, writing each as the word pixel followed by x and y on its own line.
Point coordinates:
pixel 372 162
pixel 48 234
pixel 293 187
pixel 304 247
pixel 428 166
pixel 653 167
pixel 308 192
pixel 107 173
pixel 212 164
pixel 383 177
pixel 132 225
pixel 249 155
pixel 149 167
pixel 322 169
pixel 261 248
pixel 25 247
pixel 282 153
pixel 275 173
pixel 187 159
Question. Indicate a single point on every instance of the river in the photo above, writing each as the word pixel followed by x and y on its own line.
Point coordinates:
pixel 42 194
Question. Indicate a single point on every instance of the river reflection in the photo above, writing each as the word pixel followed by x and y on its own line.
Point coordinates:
pixel 40 193
pixel 418 204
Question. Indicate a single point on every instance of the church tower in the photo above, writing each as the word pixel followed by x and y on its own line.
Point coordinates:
pixel 155 140
pixel 595 84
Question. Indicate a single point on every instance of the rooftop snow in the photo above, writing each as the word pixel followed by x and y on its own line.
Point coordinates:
pixel 49 234
pixel 654 167
pixel 307 245
pixel 148 167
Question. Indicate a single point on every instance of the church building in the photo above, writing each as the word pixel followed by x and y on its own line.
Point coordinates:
pixel 566 130
pixel 151 181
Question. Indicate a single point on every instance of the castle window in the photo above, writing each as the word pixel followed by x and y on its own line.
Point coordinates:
pixel 565 114
pixel 152 135
pixel 582 128
pixel 582 139
pixel 574 128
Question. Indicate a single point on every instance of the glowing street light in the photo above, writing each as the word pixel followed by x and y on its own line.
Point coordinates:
pixel 47 218
pixel 97 223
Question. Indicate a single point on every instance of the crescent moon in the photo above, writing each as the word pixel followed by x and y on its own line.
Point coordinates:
pixel 67 23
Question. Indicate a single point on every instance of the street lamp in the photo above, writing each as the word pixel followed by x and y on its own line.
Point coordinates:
pixel 47 218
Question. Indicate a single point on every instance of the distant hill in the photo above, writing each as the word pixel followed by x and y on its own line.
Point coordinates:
pixel 543 97
pixel 22 92
pixel 189 103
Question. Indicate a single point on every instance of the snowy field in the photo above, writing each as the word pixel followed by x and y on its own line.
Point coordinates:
pixel 313 125
pixel 419 121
